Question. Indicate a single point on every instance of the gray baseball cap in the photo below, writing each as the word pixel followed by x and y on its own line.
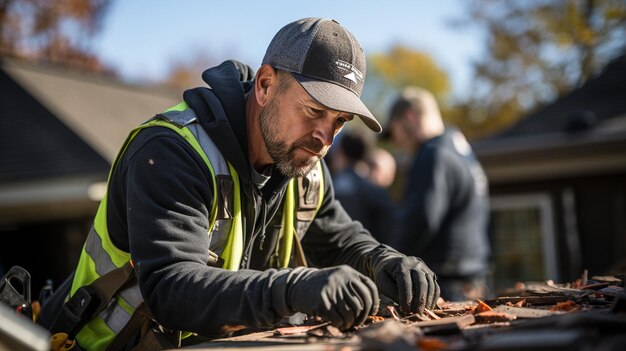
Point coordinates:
pixel 327 61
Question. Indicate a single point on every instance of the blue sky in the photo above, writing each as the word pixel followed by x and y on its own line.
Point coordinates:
pixel 141 38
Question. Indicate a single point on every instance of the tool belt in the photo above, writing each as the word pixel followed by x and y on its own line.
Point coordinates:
pixel 15 291
pixel 88 301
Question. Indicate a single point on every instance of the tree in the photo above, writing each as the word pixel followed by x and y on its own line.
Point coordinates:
pixel 186 72
pixel 537 51
pixel 389 72
pixel 52 31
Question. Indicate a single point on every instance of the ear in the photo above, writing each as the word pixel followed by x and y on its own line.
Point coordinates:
pixel 266 78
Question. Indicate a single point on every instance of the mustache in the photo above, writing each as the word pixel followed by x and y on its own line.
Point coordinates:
pixel 310 144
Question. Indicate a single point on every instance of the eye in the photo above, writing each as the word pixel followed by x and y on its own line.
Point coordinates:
pixel 341 121
pixel 314 111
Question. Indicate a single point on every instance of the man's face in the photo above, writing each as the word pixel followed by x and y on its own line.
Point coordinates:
pixel 401 134
pixel 298 131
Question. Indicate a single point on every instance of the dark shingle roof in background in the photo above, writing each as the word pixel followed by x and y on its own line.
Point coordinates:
pixel 600 99
pixel 582 133
pixel 56 122
pixel 34 144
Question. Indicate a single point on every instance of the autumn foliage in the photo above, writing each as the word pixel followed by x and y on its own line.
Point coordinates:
pixel 56 32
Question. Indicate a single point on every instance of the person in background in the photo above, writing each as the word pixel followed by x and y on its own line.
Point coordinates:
pixel 443 216
pixel 382 166
pixel 364 200
pixel 220 213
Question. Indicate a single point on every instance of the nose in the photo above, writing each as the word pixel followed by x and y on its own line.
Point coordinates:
pixel 324 132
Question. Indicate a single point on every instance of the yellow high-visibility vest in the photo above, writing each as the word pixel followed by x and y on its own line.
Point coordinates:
pixel 100 255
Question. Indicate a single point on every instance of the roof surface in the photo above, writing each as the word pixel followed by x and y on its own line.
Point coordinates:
pixel 56 122
pixel 582 133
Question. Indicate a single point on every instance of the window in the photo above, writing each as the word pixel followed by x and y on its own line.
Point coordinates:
pixel 522 234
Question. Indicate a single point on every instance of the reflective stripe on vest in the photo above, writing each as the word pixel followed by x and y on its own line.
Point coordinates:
pixel 100 255
pixel 226 235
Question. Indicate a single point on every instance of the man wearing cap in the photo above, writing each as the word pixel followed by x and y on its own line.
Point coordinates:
pixel 222 205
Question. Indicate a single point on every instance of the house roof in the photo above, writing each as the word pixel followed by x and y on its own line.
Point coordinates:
pixel 35 144
pixel 59 132
pixel 582 133
pixel 100 110
pixel 599 99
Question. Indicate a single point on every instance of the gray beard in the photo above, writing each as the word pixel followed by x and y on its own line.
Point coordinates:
pixel 282 155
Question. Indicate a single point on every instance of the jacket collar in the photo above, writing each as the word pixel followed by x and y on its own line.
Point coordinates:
pixel 221 109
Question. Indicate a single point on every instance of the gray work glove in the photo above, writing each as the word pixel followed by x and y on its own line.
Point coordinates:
pixel 405 279
pixel 340 295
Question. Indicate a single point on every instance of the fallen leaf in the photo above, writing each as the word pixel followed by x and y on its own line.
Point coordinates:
pixel 482 307
pixel 299 329
pixel 431 344
pixel 491 317
pixel 431 314
pixel 376 319
pixel 519 303
pixel 566 306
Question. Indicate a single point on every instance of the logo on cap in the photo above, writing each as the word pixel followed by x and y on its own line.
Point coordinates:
pixel 354 75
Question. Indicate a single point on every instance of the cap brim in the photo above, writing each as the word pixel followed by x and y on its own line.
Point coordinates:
pixel 386 134
pixel 338 98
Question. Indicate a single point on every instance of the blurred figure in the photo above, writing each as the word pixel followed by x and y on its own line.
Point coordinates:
pixel 444 213
pixel 364 201
pixel 382 167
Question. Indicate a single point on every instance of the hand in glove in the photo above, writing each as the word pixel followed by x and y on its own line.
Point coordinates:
pixel 405 279
pixel 340 295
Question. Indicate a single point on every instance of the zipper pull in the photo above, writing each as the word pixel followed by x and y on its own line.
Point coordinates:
pixel 262 239
pixel 244 261
pixel 264 211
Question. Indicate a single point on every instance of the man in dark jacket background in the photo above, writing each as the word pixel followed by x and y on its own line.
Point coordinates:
pixel 271 126
pixel 444 213
pixel 364 200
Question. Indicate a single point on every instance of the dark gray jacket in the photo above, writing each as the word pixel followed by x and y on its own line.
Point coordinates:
pixel 365 202
pixel 444 214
